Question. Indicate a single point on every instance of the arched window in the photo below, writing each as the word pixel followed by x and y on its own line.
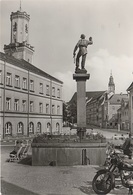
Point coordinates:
pixel 48 127
pixel 58 127
pixel 15 27
pixel 39 127
pixel 8 128
pixel 31 127
pixel 20 128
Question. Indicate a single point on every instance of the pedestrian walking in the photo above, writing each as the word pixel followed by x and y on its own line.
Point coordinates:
pixel 127 146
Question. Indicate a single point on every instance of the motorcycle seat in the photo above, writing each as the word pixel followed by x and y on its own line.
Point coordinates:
pixel 128 166
pixel 130 183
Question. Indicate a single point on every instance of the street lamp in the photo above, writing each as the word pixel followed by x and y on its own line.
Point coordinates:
pixel 72 120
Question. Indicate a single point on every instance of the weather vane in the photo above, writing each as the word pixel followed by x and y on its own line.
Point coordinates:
pixel 20 5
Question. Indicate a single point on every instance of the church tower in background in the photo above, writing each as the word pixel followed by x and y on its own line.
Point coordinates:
pixel 111 85
pixel 19 46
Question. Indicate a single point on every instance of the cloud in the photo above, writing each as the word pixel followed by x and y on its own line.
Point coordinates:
pixel 69 85
pixel 100 67
pixel 103 63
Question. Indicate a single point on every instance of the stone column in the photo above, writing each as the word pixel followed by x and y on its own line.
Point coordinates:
pixel 81 103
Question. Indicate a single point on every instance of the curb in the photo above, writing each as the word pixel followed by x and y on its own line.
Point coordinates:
pixel 9 141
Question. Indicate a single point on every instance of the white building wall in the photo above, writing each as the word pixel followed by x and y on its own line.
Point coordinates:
pixel 19 93
pixel 131 110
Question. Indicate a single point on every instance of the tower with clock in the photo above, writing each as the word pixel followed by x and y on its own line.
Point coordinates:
pixel 19 46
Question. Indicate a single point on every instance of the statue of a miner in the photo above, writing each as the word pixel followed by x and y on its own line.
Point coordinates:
pixel 82 45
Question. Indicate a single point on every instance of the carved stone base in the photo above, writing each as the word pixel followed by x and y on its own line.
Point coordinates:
pixel 81 132
pixel 80 71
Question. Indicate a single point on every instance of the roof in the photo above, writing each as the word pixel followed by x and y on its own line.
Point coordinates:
pixel 130 87
pixel 27 66
pixel 127 106
pixel 126 100
pixel 89 95
pixel 116 98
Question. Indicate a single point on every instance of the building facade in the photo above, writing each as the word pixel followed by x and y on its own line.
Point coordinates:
pixel 123 114
pixel 30 100
pixel 102 108
pixel 130 91
pixel 94 109
pixel 113 105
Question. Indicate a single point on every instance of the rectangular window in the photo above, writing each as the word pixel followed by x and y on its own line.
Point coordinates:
pixel 0 76
pixel 47 90
pixel 16 105
pixel 31 106
pixel 23 105
pixel 53 109
pixel 17 81
pixel 8 103
pixel 31 85
pixel 53 91
pixel 132 102
pixel 41 88
pixel 58 93
pixel 47 108
pixel 24 83
pixel 58 109
pixel 9 79
pixel 40 107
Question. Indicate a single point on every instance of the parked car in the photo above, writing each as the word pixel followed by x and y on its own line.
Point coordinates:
pixel 120 136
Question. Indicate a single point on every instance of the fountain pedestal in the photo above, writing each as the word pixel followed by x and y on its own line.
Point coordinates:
pixel 81 78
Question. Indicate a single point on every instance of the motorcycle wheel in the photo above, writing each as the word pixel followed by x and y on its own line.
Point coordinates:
pixel 125 176
pixel 103 182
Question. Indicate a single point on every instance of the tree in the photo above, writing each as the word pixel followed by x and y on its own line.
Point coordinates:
pixel 65 112
pixel 72 112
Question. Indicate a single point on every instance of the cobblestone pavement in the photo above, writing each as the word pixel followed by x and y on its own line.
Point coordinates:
pixel 21 179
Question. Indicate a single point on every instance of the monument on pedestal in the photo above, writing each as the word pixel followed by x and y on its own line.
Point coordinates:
pixel 64 152
pixel 81 76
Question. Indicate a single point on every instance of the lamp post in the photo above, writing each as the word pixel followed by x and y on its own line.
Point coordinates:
pixel 72 120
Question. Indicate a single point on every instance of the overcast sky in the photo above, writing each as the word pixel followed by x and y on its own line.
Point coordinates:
pixel 55 28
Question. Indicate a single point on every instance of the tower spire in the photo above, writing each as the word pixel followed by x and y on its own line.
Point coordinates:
pixel 111 73
pixel 20 6
pixel 19 46
pixel 111 84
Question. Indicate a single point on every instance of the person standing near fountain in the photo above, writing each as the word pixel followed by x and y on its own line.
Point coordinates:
pixel 82 45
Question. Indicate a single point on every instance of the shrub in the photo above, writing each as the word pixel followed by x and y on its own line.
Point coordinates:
pixel 44 138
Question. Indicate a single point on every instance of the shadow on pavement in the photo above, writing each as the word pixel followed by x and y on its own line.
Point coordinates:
pixel 26 161
pixel 87 189
pixel 11 189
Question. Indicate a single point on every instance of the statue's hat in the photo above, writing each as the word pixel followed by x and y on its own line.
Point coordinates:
pixel 82 36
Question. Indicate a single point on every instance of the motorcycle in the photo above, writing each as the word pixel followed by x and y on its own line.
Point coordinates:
pixel 104 180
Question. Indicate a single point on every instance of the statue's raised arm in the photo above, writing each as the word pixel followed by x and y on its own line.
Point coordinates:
pixel 82 52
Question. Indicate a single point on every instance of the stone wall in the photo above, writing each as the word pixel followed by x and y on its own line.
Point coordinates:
pixel 68 154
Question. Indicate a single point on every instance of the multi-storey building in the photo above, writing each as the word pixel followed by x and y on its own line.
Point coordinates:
pixel 130 90
pixel 112 105
pixel 31 99
pixel 102 106
pixel 123 114
pixel 94 109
